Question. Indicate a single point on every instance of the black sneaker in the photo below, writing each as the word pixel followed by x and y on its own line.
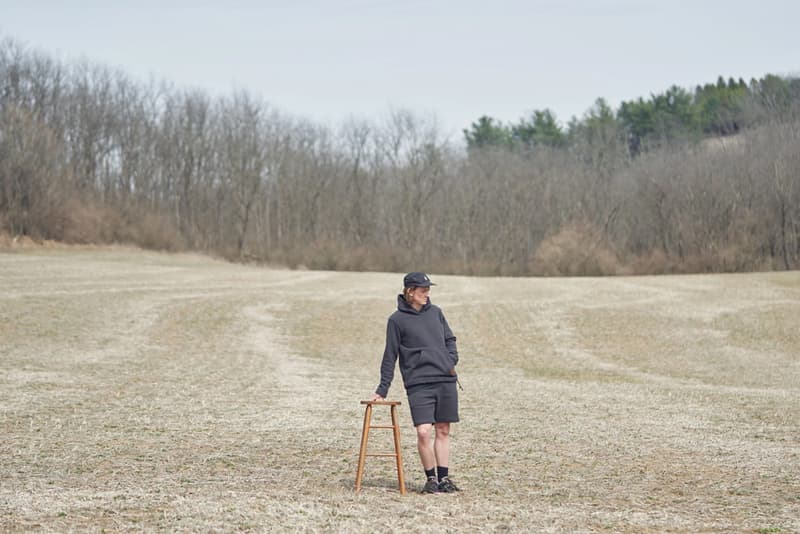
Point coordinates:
pixel 431 486
pixel 447 486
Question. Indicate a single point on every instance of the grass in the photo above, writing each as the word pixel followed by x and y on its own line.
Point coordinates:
pixel 143 391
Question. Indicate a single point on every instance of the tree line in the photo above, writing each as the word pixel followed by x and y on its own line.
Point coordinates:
pixel 681 182
pixel 677 115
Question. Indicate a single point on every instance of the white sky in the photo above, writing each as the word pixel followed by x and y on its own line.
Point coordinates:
pixel 453 59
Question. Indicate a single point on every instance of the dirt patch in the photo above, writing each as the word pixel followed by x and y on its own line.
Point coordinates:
pixel 143 391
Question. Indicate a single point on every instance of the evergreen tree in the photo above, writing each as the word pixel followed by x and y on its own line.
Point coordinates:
pixel 597 137
pixel 773 93
pixel 541 129
pixel 487 132
pixel 638 120
pixel 720 107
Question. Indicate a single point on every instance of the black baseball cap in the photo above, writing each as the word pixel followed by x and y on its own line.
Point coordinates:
pixel 417 279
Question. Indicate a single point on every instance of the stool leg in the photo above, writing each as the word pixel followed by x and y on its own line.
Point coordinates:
pixel 363 453
pixel 397 450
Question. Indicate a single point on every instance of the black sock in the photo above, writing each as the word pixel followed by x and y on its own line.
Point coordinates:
pixel 442 472
pixel 430 472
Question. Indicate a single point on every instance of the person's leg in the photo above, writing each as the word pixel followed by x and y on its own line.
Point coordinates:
pixel 446 413
pixel 442 450
pixel 428 457
pixel 422 404
pixel 425 446
pixel 442 444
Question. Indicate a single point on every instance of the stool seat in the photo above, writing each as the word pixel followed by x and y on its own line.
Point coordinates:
pixel 365 438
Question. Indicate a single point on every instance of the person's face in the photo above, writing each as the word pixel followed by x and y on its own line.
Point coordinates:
pixel 419 296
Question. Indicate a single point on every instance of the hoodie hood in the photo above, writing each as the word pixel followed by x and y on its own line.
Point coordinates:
pixel 404 306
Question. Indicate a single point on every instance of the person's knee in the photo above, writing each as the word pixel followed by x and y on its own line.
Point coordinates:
pixel 424 432
pixel 442 429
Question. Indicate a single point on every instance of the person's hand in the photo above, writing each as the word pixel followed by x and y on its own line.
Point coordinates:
pixel 376 397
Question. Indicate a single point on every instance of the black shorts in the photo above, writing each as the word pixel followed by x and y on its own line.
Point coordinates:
pixel 433 403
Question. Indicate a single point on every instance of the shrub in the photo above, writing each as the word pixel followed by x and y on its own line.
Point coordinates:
pixel 578 249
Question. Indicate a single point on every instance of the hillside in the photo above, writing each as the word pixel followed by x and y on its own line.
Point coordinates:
pixel 88 155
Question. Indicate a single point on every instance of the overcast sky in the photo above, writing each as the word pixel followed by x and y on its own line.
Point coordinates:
pixel 454 59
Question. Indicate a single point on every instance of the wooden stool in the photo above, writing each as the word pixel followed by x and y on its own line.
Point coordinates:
pixel 365 437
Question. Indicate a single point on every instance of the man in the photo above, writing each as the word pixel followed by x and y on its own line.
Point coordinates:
pixel 418 334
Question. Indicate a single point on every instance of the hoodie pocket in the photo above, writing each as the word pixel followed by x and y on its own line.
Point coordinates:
pixel 434 360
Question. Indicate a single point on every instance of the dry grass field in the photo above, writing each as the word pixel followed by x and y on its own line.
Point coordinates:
pixel 154 392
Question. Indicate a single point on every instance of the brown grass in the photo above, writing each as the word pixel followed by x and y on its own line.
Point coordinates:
pixel 143 391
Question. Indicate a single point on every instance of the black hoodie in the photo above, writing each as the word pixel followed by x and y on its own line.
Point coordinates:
pixel 425 344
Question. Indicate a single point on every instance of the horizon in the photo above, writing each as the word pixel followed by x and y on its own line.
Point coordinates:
pixel 450 62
